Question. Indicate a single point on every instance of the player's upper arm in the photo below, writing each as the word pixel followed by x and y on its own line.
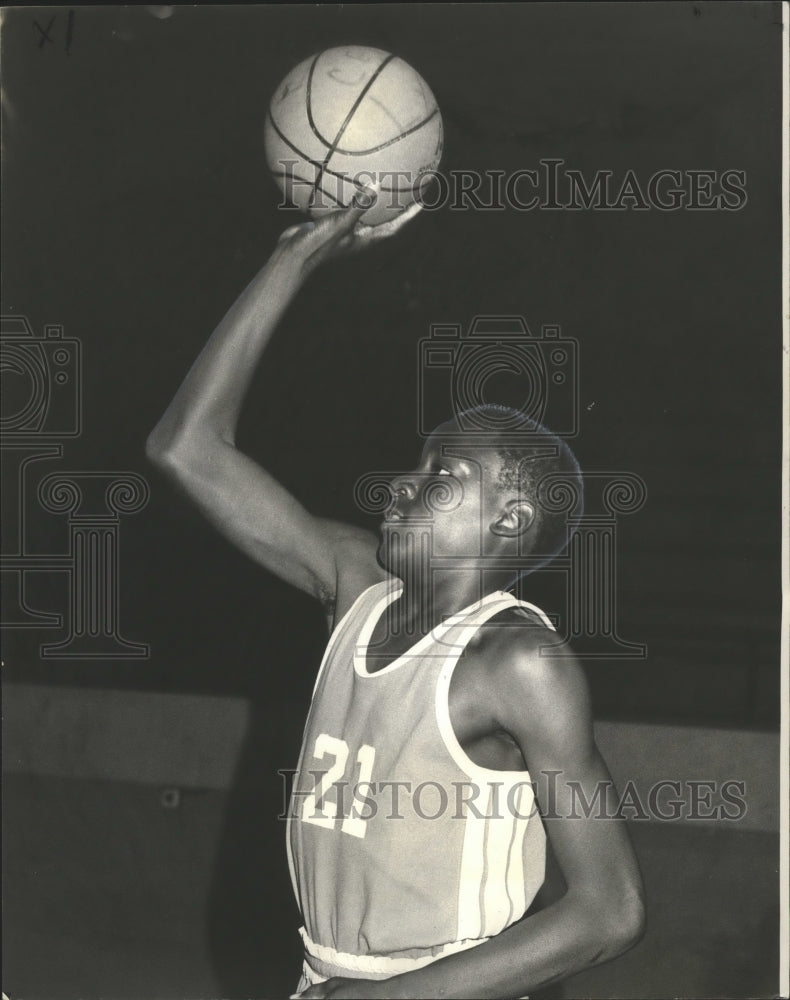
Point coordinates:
pixel 255 512
pixel 543 701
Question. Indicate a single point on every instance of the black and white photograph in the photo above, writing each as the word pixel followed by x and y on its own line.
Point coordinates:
pixel 395 501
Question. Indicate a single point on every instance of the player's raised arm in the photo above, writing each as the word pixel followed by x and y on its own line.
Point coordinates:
pixel 194 442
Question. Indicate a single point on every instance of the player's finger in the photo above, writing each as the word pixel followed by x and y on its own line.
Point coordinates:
pixel 303 227
pixel 410 212
pixel 334 227
pixel 365 236
pixel 313 991
pixel 364 199
pixel 338 223
pixel 388 228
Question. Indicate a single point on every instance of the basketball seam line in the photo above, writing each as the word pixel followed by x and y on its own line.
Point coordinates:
pixel 348 152
pixel 389 142
pixel 309 103
pixel 301 152
pixel 323 166
pixel 352 111
pixel 307 159
pixel 352 152
pixel 355 106
pixel 305 180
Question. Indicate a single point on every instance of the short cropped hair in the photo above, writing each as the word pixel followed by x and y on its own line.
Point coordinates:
pixel 525 463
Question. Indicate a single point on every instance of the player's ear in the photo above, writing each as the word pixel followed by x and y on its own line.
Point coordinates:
pixel 514 519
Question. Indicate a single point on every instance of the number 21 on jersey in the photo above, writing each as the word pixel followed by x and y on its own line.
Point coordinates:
pixel 312 808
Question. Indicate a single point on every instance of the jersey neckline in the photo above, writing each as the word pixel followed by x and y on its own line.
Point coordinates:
pixel 360 651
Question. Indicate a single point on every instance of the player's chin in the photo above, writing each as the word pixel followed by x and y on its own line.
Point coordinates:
pixel 381 554
pixel 384 552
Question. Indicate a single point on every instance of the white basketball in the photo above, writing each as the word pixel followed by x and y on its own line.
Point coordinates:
pixel 349 118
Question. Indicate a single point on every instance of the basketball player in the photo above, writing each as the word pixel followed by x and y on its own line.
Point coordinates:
pixel 414 838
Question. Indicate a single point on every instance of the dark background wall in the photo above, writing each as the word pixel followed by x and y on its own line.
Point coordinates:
pixel 137 205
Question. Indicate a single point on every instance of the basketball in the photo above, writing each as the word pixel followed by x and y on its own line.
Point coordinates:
pixel 350 118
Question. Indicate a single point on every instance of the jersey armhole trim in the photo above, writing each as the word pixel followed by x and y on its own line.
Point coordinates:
pixel 449 738
pixel 338 629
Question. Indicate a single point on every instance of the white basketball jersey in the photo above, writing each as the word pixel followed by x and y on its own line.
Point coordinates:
pixel 402 849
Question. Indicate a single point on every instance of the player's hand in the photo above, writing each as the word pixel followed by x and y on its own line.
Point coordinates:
pixel 340 233
pixel 339 988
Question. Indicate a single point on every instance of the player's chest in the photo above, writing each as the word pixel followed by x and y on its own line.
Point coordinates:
pixel 389 698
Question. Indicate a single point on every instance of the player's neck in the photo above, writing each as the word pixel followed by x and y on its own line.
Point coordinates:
pixel 428 599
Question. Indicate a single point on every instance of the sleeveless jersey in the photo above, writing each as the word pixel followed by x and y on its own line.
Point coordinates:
pixel 401 848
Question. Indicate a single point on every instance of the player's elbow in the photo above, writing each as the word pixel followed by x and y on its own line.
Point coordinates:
pixel 631 927
pixel 161 450
pixel 609 922
pixel 177 453
pixel 623 925
pixel 172 460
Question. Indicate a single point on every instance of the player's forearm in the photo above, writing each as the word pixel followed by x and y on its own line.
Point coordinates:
pixel 208 403
pixel 558 942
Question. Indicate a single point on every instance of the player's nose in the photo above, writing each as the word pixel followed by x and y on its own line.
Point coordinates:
pixel 403 490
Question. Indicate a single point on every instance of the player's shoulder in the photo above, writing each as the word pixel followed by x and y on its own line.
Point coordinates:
pixel 520 654
pixel 516 631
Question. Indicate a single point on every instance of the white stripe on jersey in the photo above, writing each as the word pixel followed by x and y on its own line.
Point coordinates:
pixel 493 849
pixel 516 888
pixel 492 857
pixel 498 910
pixel 471 875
